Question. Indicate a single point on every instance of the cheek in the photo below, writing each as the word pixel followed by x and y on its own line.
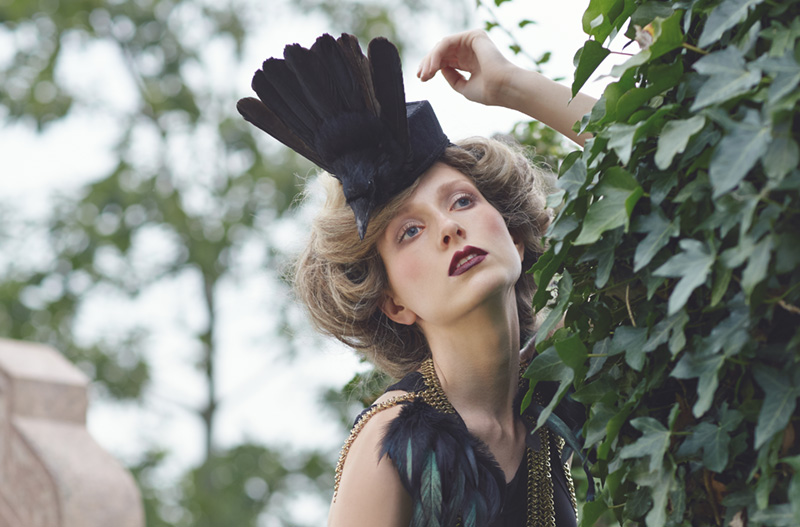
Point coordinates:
pixel 405 271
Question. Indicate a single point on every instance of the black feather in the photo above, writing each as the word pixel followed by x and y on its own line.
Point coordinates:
pixel 347 114
pixel 421 436
pixel 387 74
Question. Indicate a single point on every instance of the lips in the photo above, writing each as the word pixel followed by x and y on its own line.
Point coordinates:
pixel 465 259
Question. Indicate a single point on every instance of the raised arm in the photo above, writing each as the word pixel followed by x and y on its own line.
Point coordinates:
pixel 496 81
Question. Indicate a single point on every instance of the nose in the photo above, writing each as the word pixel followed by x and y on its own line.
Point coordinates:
pixel 450 230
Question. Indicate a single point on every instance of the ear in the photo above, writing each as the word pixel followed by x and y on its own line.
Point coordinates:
pixel 397 312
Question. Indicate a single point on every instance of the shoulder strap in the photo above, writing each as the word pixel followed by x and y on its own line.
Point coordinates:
pixel 361 421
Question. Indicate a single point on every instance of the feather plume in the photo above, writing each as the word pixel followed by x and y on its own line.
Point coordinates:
pixel 347 114
pixel 430 444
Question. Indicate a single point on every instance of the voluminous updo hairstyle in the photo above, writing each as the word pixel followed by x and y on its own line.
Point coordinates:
pixel 342 280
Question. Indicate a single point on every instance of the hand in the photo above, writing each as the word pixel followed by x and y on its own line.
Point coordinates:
pixel 474 53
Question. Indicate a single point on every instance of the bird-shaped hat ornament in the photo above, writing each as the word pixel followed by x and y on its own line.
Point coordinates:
pixel 347 113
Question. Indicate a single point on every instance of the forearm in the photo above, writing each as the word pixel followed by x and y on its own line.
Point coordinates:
pixel 544 100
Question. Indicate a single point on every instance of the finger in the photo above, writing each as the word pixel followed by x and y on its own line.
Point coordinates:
pixel 454 79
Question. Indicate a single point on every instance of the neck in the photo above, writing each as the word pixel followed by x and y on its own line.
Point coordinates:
pixel 477 363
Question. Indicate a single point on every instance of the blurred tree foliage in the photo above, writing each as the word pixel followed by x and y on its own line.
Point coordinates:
pixel 192 190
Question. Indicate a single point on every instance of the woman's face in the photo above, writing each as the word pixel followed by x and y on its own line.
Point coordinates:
pixel 447 252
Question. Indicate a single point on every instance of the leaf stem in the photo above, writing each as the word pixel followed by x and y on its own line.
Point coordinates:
pixel 695 49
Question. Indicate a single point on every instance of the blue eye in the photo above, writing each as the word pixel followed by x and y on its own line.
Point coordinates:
pixel 463 201
pixel 409 232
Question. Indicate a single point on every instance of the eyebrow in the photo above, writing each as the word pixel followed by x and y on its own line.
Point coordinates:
pixel 442 192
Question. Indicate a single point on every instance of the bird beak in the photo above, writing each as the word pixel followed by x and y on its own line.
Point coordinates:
pixel 362 207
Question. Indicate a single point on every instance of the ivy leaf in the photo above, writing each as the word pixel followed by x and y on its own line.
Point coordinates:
pixel 704 366
pixel 674 137
pixel 548 366
pixel 667 36
pixel 620 139
pixel 604 17
pixel 573 175
pixel 603 252
pixel 669 326
pixel 630 340
pixel 691 266
pixel 783 154
pixel 786 72
pixel 620 192
pixel 659 231
pixel 774 516
pixel 723 17
pixel 757 265
pixel 737 152
pixel 662 482
pixel 574 354
pixel 586 62
pixel 713 439
pixel 653 443
pixel 728 77
pixel 557 313
pixel 779 402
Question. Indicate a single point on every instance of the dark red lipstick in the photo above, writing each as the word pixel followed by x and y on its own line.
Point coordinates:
pixel 465 259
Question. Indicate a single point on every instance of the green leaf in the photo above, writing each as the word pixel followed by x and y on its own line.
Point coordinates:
pixel 548 366
pixel 603 252
pixel 704 366
pixel 737 152
pixel 662 482
pixel 572 351
pixel 572 178
pixel 713 440
pixel 757 265
pixel 723 17
pixel 779 402
pixel 728 77
pixel 600 415
pixel 674 138
pixel 783 154
pixel 691 266
pixel 620 139
pixel 653 443
pixel 774 516
pixel 667 36
pixel 557 313
pixel 620 192
pixel 659 231
pixel 722 278
pixel 586 62
pixel 592 511
pixel 669 326
pixel 786 72
pixel 630 340
pixel 604 17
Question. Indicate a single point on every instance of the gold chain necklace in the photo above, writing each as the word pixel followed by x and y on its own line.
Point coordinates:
pixel 540 504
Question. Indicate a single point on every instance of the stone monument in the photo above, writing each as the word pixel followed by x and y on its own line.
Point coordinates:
pixel 52 473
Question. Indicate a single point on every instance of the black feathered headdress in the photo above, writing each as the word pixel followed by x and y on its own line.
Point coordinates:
pixel 348 114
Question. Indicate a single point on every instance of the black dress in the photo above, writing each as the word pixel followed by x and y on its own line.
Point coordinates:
pixel 505 504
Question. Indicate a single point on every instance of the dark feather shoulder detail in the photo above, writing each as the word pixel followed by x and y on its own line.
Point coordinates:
pixel 447 471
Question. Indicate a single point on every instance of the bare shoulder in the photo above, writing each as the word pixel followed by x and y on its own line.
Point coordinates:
pixel 370 492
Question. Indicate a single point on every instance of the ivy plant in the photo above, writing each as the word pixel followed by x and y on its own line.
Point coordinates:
pixel 674 263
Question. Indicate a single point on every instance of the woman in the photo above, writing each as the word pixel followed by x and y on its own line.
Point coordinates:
pixel 432 291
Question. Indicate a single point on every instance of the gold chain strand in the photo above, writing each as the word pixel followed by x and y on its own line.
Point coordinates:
pixel 394 401
pixel 434 394
pixel 568 475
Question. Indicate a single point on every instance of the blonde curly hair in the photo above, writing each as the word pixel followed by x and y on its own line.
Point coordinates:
pixel 342 280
